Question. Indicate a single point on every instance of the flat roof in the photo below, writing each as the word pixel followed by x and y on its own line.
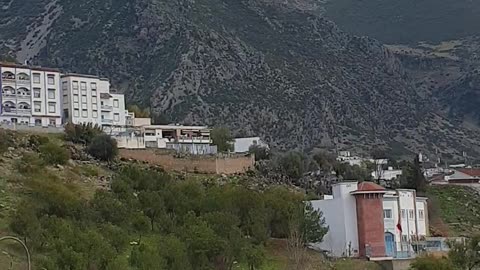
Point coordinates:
pixel 39 68
pixel 83 76
pixel 174 127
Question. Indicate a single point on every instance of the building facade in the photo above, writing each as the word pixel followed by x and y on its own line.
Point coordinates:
pixel 87 99
pixel 365 220
pixel 30 96
pixel 242 145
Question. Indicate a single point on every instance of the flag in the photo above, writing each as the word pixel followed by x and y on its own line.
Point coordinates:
pixel 399 224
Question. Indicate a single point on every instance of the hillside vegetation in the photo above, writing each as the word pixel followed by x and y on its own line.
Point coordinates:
pixel 407 21
pixel 269 68
pixel 77 213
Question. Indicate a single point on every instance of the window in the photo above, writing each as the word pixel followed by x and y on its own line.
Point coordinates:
pixel 404 238
pixel 75 98
pixel 76 113
pixel 94 114
pixel 51 79
pixel 411 214
pixel 75 85
pixel 83 85
pixel 37 106
pixel 36 92
pixel 84 113
pixel 93 86
pixel 95 107
pixel 84 99
pixel 84 106
pixel 64 86
pixel 94 93
pixel 404 214
pixel 94 100
pixel 36 78
pixel 116 117
pixel 421 214
pixel 51 93
pixel 52 122
pixel 51 107
pixel 75 105
pixel 115 103
pixel 38 122
pixel 387 213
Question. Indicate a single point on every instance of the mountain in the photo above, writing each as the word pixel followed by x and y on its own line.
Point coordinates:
pixel 406 21
pixel 272 68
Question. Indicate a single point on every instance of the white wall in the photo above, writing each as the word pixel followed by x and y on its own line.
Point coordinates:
pixel 341 216
pixel 242 145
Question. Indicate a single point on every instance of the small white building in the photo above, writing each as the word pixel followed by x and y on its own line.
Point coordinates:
pixel 30 96
pixel 242 145
pixel 387 175
pixel 365 220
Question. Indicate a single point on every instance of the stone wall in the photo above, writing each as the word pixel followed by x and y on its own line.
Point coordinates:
pixel 202 164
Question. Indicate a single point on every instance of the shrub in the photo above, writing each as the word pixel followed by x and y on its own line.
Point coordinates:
pixel 431 263
pixel 29 163
pixel 103 147
pixel 83 133
pixel 54 154
pixel 35 141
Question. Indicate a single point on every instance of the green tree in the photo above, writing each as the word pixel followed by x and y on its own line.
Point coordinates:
pixel 466 256
pixel 140 113
pixel 431 263
pixel 146 257
pixel 255 257
pixel 314 225
pixel 222 138
pixel 413 177
pixel 292 164
pixel 54 154
pixel 103 147
pixel 260 152
pixel 153 206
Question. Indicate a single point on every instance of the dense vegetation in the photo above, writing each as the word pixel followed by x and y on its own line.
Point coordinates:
pixel 407 21
pixel 149 219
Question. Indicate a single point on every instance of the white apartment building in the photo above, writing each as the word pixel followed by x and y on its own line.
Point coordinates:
pixel 87 99
pixel 30 96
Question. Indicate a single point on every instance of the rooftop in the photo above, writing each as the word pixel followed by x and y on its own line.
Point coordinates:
pixel 39 68
pixel 472 171
pixel 369 187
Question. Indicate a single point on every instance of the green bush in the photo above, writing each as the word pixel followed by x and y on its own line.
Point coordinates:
pixel 29 163
pixel 103 147
pixel 431 263
pixel 83 133
pixel 54 154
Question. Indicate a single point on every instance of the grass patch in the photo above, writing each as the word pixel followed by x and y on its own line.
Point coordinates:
pixel 458 207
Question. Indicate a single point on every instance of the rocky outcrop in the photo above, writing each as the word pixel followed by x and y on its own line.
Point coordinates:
pixel 275 69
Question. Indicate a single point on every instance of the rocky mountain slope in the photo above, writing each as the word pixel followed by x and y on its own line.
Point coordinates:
pixel 406 21
pixel 262 67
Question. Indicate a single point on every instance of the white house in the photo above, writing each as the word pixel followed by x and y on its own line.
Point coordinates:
pixel 387 175
pixel 30 96
pixel 242 145
pixel 365 220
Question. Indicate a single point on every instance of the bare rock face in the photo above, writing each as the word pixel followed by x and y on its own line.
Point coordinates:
pixel 272 68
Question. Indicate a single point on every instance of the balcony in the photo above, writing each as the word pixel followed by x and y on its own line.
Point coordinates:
pixel 106 107
pixel 24 97
pixel 25 82
pixel 193 140
pixel 107 121
pixel 24 111
pixel 9 95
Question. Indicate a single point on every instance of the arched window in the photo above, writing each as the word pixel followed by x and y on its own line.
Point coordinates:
pixel 9 104
pixel 23 91
pixel 23 76
pixel 23 105
pixel 8 90
pixel 7 75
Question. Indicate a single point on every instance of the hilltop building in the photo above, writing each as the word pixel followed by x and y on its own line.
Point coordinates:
pixel 366 220
pixel 30 96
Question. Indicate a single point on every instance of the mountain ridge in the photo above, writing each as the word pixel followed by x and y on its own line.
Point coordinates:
pixel 270 68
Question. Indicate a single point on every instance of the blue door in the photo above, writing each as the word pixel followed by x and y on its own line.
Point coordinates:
pixel 389 244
